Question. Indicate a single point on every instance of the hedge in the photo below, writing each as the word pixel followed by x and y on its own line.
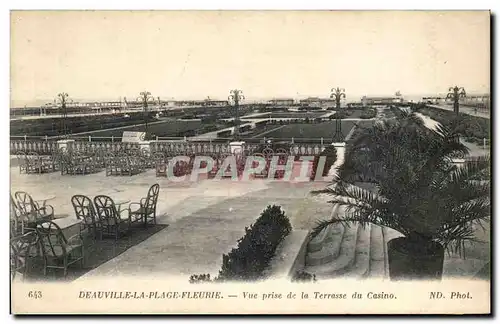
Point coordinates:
pixel 367 114
pixel 249 260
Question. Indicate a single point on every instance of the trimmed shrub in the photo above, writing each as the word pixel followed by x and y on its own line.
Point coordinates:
pixel 331 156
pixel 367 114
pixel 341 114
pixel 255 249
pixel 302 276
pixel 202 278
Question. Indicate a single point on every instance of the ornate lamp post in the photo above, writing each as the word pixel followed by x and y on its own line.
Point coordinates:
pixel 236 96
pixel 455 93
pixel 61 100
pixel 145 97
pixel 338 94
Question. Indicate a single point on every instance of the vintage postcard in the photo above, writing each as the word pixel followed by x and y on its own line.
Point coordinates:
pixel 250 162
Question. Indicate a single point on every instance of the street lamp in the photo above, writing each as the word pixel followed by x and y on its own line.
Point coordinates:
pixel 61 100
pixel 236 96
pixel 145 97
pixel 455 93
pixel 338 94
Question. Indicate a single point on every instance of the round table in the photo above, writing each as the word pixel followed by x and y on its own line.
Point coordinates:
pixel 119 202
pixel 45 199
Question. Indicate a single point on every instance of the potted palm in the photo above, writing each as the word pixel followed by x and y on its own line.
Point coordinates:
pixel 414 188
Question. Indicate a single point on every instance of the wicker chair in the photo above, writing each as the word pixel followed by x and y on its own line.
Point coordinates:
pixel 147 158
pixel 16 219
pixel 58 251
pixel 84 210
pixel 36 164
pixel 113 223
pixel 22 248
pixel 145 210
pixel 31 212
pixel 161 164
pixel 22 160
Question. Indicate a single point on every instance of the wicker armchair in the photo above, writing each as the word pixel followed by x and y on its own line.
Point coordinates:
pixel 161 164
pixel 31 212
pixel 58 251
pixel 113 223
pixel 22 160
pixel 22 248
pixel 84 210
pixel 145 210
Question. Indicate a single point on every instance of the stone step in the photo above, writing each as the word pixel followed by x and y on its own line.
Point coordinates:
pixel 330 247
pixel 377 254
pixel 316 243
pixel 361 264
pixel 345 259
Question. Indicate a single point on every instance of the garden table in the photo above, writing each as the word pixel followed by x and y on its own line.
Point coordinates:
pixel 121 201
pixel 69 226
pixel 44 199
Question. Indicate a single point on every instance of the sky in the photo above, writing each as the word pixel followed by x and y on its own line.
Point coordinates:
pixel 107 55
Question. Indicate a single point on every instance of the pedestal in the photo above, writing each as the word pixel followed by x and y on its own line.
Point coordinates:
pixel 236 147
pixel 145 145
pixel 65 144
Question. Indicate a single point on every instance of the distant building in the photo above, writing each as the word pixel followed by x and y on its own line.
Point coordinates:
pixel 354 105
pixel 200 103
pixel 433 100
pixel 380 100
pixel 317 102
pixel 282 101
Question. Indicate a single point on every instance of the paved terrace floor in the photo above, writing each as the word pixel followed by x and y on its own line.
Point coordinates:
pixel 205 218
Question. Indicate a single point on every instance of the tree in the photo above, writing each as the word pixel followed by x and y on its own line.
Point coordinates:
pixel 455 93
pixel 417 190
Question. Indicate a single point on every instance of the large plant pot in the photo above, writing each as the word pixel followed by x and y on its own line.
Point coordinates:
pixel 409 261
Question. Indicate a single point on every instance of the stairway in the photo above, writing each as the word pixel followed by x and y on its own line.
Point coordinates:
pixel 352 251
pixel 358 252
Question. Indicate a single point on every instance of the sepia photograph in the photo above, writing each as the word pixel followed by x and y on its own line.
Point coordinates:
pixel 250 162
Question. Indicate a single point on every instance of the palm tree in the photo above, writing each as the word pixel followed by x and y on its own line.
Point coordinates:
pixel 455 93
pixel 417 190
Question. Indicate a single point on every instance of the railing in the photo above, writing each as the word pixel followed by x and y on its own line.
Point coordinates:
pixel 177 146
pixel 263 139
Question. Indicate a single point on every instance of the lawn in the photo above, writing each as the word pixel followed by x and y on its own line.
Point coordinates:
pixel 473 129
pixel 324 130
pixel 291 114
pixel 167 128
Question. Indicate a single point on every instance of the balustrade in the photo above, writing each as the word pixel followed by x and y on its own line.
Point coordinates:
pixel 170 148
